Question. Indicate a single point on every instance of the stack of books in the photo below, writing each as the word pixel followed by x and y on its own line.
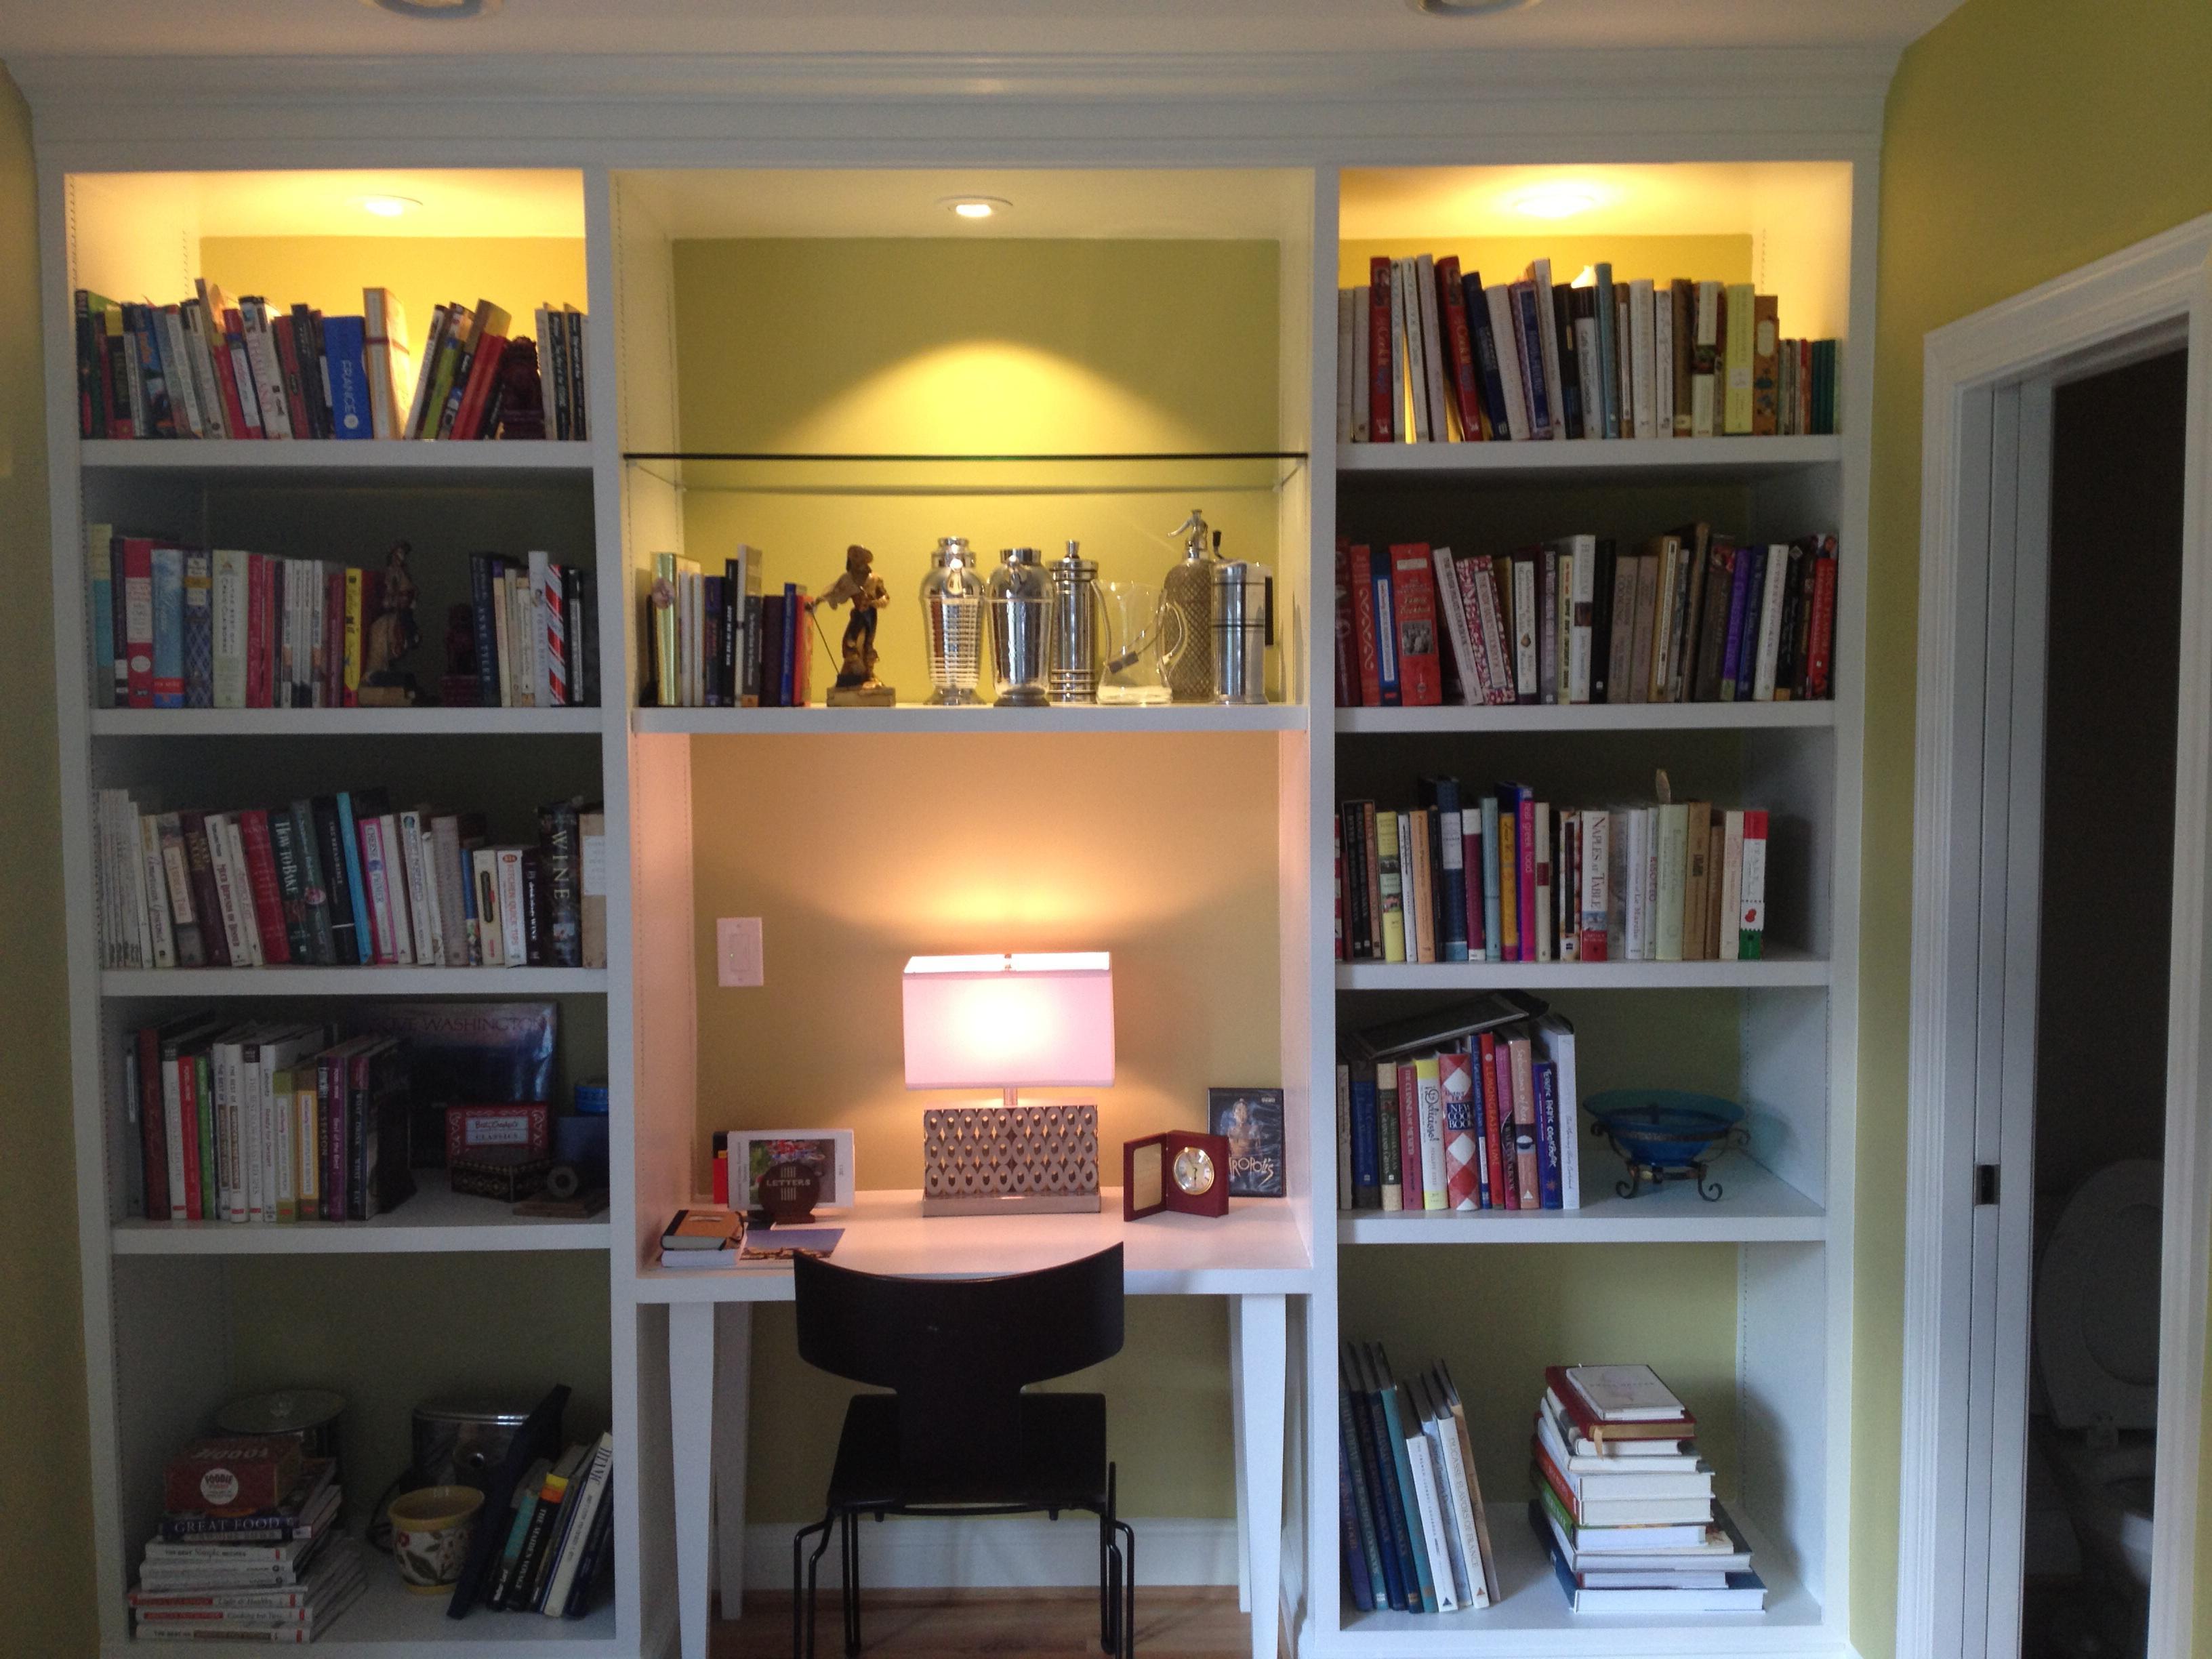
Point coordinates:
pixel 704 1236
pixel 219 1568
pixel 1624 1503
pixel 1415 1532
pixel 1425 355
pixel 1687 616
pixel 556 1535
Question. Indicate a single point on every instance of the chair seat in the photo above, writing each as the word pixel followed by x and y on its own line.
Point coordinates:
pixel 1062 1465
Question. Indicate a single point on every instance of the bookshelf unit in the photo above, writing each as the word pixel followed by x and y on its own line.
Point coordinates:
pixel 179 1317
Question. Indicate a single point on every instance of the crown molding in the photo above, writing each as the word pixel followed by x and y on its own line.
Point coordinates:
pixel 1281 104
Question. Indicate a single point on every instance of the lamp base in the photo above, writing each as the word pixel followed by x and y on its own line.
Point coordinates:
pixel 1010 1160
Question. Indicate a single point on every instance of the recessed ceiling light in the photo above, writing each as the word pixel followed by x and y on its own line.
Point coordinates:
pixel 436 11
pixel 975 207
pixel 1466 8
pixel 1556 200
pixel 388 207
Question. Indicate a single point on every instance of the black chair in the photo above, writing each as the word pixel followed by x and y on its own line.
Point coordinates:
pixel 957 1434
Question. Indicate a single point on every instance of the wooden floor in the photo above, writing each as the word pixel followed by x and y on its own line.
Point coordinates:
pixel 1171 1624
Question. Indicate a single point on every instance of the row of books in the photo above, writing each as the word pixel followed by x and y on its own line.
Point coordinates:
pixel 1427 355
pixel 176 626
pixel 1415 1532
pixel 343 880
pixel 719 642
pixel 1623 1504
pixel 280 1571
pixel 1687 617
pixel 1490 1120
pixel 556 1535
pixel 208 368
pixel 261 1122
pixel 1509 878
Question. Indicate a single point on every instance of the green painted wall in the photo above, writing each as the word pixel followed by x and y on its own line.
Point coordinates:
pixel 2023 138
pixel 45 1516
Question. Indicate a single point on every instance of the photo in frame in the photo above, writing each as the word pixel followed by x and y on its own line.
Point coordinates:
pixel 1251 1121
pixel 753 1152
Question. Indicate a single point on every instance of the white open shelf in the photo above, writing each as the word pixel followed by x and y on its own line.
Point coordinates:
pixel 908 718
pixel 288 981
pixel 342 722
pixel 1778 967
pixel 1590 717
pixel 436 1219
pixel 1728 458
pixel 329 457
pixel 1755 1207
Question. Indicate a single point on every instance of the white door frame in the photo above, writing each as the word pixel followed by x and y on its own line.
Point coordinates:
pixel 1986 388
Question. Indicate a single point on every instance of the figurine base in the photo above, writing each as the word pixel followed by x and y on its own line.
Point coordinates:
pixel 861 696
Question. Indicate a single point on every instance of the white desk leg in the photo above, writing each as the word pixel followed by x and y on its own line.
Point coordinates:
pixel 1237 1440
pixel 733 1358
pixel 1262 1356
pixel 690 1433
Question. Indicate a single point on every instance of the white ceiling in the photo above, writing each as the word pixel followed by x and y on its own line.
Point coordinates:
pixel 278 27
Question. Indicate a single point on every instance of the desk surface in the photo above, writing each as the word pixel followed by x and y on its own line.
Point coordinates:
pixel 1253 1250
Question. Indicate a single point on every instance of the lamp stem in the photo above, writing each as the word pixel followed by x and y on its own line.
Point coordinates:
pixel 1007 1097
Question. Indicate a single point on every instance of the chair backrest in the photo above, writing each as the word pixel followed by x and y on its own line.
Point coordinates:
pixel 958 1352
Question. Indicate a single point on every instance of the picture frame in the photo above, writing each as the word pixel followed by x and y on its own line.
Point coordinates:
pixel 1251 1120
pixel 751 1153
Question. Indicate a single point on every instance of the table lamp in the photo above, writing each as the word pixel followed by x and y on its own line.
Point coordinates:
pixel 1009 1023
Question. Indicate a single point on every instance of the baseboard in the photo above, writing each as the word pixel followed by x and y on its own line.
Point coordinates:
pixel 1012 1552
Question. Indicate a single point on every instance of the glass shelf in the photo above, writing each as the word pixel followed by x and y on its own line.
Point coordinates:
pixel 1088 473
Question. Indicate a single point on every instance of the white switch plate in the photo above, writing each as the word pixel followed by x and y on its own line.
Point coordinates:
pixel 738 951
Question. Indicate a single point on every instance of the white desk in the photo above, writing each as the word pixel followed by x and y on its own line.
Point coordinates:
pixel 1254 1257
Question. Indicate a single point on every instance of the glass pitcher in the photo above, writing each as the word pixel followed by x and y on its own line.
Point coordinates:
pixel 1144 638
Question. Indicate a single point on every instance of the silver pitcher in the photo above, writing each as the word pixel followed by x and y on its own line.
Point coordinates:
pixel 1075 628
pixel 952 617
pixel 1244 629
pixel 1019 597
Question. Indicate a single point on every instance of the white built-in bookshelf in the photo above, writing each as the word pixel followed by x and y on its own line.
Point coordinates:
pixel 159 1301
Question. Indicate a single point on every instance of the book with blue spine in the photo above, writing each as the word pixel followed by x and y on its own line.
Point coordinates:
pixel 1386 636
pixel 1363 1544
pixel 1527 330
pixel 1395 1542
pixel 357 890
pixel 168 627
pixel 1366 1175
pixel 1544 1078
pixel 1609 351
pixel 1451 848
pixel 345 345
pixel 1386 1396
pixel 1493 920
pixel 1491 382
pixel 200 629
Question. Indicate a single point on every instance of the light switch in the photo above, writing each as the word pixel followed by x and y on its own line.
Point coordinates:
pixel 738 951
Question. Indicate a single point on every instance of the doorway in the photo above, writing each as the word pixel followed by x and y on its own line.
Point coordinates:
pixel 2059 1159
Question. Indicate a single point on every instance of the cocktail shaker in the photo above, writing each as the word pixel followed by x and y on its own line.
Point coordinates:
pixel 1019 597
pixel 1186 592
pixel 1243 626
pixel 952 616
pixel 1075 630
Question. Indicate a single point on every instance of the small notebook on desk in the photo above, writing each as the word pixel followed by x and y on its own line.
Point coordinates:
pixel 781 1243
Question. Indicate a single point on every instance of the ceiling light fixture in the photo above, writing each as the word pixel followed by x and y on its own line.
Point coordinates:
pixel 1467 8
pixel 975 207
pixel 1556 200
pixel 389 207
pixel 436 11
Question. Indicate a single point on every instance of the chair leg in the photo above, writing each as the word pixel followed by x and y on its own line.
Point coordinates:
pixel 852 1584
pixel 1107 1600
pixel 804 1570
pixel 1128 1589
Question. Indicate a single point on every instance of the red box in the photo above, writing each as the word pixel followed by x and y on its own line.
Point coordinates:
pixel 523 1125
pixel 235 1476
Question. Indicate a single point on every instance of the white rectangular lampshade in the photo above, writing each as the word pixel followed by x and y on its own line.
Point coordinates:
pixel 1009 1022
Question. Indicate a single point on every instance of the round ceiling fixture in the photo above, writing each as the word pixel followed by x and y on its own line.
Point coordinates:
pixel 436 11
pixel 1467 8
pixel 974 208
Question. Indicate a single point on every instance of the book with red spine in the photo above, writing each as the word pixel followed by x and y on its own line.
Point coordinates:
pixel 260 595
pixel 1451 305
pixel 1347 649
pixel 1495 1113
pixel 135 560
pixel 241 371
pixel 261 878
pixel 1462 1132
pixel 188 1127
pixel 281 333
pixel 1528 1188
pixel 1409 1133
pixel 483 374
pixel 1413 592
pixel 153 1136
pixel 1382 383
pixel 1363 627
pixel 1524 853
pixel 1819 647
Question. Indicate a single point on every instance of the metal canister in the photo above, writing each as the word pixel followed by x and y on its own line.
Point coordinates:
pixel 1185 594
pixel 1075 631
pixel 1244 628
pixel 1019 597
pixel 952 618
pixel 309 1414
pixel 463 1442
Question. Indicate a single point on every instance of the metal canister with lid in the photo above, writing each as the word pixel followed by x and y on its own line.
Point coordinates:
pixel 1019 597
pixel 1075 629
pixel 1243 627
pixel 952 617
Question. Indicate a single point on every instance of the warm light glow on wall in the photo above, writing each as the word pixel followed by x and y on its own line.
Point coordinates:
pixel 982 1021
pixel 1563 199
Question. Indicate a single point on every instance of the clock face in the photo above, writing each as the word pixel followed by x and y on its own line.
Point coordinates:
pixel 1194 1170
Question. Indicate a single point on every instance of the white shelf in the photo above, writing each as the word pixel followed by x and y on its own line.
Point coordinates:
pixel 347 982
pixel 1590 717
pixel 1531 1616
pixel 1725 459
pixel 1777 968
pixel 328 458
pixel 920 717
pixel 387 1618
pixel 341 722
pixel 1755 1207
pixel 436 1219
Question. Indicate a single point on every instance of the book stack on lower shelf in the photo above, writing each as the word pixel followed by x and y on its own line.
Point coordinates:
pixel 226 1566
pixel 1415 1534
pixel 1624 1503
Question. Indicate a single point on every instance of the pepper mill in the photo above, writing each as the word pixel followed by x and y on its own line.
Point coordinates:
pixel 1187 590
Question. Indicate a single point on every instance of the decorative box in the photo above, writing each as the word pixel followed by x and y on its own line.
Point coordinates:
pixel 237 1475
pixel 521 1125
pixel 506 1173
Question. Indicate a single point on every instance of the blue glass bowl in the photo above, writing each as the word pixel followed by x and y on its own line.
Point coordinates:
pixel 1665 1130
